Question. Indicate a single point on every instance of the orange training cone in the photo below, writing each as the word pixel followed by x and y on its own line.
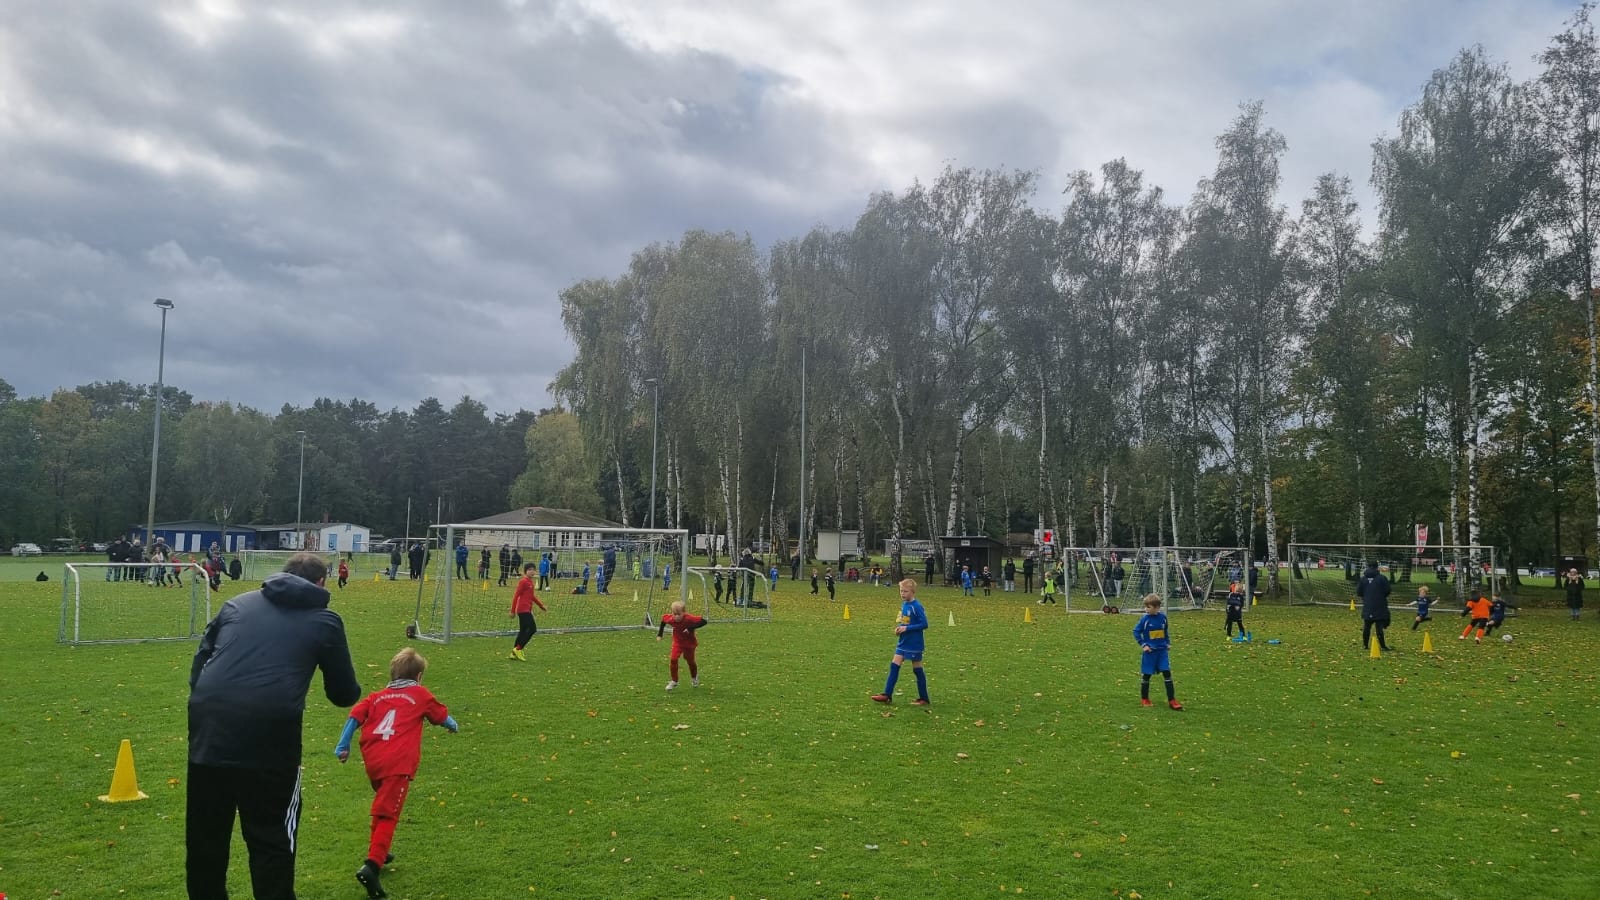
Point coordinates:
pixel 1427 642
pixel 1027 614
pixel 124 782
pixel 847 612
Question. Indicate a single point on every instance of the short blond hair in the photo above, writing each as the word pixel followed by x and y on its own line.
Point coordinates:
pixel 1152 600
pixel 678 608
pixel 407 664
pixel 910 583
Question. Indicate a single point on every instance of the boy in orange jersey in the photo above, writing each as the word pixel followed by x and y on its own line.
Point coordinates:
pixel 522 604
pixel 390 722
pixel 1478 608
pixel 684 625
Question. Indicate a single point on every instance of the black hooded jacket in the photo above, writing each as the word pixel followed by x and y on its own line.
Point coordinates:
pixel 248 683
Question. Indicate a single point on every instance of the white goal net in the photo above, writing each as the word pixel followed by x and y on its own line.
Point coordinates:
pixel 594 579
pixel 1185 578
pixel 114 603
pixel 1326 574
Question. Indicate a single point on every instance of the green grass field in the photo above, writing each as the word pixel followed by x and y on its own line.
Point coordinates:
pixel 1302 769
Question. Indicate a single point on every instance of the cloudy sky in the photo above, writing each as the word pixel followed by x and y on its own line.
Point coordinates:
pixel 383 200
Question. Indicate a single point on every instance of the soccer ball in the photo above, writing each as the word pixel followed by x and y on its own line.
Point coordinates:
pixel 1506 638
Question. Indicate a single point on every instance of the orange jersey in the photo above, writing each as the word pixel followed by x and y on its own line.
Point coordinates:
pixel 1479 608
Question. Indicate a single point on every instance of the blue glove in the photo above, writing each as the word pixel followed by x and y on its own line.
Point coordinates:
pixel 342 749
pixel 450 723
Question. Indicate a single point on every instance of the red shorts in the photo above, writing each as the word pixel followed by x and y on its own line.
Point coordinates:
pixel 389 796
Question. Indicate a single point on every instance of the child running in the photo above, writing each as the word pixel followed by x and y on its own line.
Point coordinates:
pixel 1478 608
pixel 390 722
pixel 1235 608
pixel 1424 603
pixel 522 604
pixel 684 625
pixel 1047 591
pixel 1151 633
pixel 911 625
pixel 344 572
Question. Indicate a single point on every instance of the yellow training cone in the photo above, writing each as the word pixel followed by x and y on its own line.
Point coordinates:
pixel 124 782
pixel 485 586
pixel 374 576
pixel 1372 646
pixel 952 617
pixel 636 596
pixel 1427 642
pixel 847 612
pixel 1027 614
pixel 691 596
pixel 1352 604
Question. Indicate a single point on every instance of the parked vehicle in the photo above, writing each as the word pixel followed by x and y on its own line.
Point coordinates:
pixel 26 549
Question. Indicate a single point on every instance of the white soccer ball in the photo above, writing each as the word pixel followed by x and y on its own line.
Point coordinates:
pixel 1506 638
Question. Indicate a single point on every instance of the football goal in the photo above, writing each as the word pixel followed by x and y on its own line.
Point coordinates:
pixel 113 603
pixel 1186 578
pixel 633 575
pixel 1326 574
pixel 256 565
pixel 730 594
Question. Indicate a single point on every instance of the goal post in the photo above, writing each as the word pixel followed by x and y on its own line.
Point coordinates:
pixel 634 574
pixel 1101 579
pixel 731 594
pixel 1326 574
pixel 256 565
pixel 117 603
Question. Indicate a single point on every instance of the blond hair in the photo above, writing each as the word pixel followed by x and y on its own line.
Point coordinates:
pixel 910 583
pixel 1152 600
pixel 407 664
pixel 678 608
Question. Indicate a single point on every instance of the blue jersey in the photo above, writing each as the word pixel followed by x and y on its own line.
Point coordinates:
pixel 1235 602
pixel 1497 611
pixel 1152 631
pixel 915 619
pixel 1422 606
pixel 544 565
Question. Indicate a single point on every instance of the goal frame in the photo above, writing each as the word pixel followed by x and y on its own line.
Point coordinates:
pixel 531 538
pixel 71 627
pixel 1453 598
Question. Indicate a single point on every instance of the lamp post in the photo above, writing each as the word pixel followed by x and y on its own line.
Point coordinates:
pixel 299 497
pixel 155 447
pixel 655 425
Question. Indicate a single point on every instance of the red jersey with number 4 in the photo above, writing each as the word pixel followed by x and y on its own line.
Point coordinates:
pixel 391 727
pixel 683 628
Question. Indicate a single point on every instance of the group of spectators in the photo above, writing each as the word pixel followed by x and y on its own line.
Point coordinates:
pixel 161 566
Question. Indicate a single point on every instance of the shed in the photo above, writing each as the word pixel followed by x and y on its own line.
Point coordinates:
pixel 973 550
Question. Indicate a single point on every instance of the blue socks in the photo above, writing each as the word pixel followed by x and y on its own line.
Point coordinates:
pixel 922 682
pixel 894 675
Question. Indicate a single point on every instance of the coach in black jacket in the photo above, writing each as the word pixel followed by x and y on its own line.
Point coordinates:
pixel 247 696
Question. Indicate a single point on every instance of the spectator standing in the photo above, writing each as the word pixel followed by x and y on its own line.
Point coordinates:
pixel 1573 584
pixel 1373 589
pixel 1027 574
pixel 247 697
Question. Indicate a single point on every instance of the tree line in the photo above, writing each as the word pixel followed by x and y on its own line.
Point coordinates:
pixel 1131 370
pixel 1122 368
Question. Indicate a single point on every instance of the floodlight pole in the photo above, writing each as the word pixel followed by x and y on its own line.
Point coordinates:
pixel 655 427
pixel 155 446
pixel 300 497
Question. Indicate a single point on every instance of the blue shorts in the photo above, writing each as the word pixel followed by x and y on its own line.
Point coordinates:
pixel 908 655
pixel 1153 662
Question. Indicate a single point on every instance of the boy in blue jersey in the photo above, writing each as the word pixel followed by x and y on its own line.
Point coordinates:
pixel 1235 608
pixel 1497 615
pixel 911 625
pixel 1424 602
pixel 1151 633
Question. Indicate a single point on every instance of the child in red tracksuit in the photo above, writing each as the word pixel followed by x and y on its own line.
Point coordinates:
pixel 390 722
pixel 344 573
pixel 684 625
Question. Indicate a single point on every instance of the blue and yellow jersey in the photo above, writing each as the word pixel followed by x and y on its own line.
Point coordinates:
pixel 1152 631
pixel 915 619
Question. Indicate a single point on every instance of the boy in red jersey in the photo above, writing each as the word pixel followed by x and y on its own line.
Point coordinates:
pixel 344 573
pixel 684 625
pixel 390 721
pixel 522 603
